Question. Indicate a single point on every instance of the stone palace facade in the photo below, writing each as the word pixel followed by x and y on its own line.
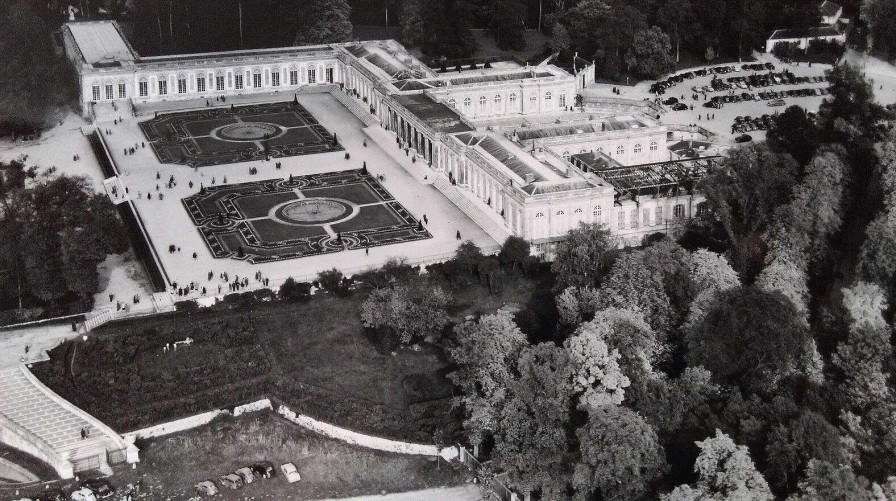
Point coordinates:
pixel 512 137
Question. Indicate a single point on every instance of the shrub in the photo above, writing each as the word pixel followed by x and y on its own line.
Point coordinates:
pixel 295 291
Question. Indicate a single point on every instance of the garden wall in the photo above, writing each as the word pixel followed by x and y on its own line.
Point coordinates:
pixel 370 442
pixel 195 421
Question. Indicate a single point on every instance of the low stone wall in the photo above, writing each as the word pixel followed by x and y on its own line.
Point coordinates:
pixel 195 421
pixel 19 438
pixel 370 442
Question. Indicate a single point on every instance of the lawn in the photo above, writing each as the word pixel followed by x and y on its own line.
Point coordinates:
pixel 313 356
pixel 171 466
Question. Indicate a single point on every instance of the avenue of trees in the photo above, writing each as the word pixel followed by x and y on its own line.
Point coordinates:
pixel 55 231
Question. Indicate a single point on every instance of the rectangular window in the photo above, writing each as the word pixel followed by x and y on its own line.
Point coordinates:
pixel 621 219
pixel 563 100
pixel 645 217
pixel 181 85
pixel 256 80
pixel 275 79
pixel 109 91
pixel 678 211
pixel 122 91
pixel 293 77
pixel 200 84
pixel 634 217
pixel 163 87
pixel 659 215
pixel 96 92
pixel 144 89
pixel 329 75
pixel 238 81
pixel 219 83
pixel 312 76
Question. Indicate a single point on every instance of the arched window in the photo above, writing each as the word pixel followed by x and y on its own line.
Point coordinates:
pixel 482 101
pixel 566 155
pixel 597 212
pixel 620 150
pixel 547 96
pixel 653 146
pixel 577 211
pixel 638 148
pixel 467 103
pixel 583 151
pixel 513 98
pixel 539 214
pixel 498 100
pixel 452 103
pixel 560 213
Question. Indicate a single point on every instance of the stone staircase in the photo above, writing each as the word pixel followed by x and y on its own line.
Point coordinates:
pixel 162 302
pixel 490 225
pixel 356 107
pixel 41 423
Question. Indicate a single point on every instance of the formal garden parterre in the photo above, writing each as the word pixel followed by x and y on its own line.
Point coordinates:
pixel 216 136
pixel 278 219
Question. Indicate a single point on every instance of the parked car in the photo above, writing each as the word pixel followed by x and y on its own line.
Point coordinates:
pixel 776 102
pixel 246 475
pixel 290 472
pixel 83 494
pixel 206 488
pixel 231 481
pixel 679 106
pixel 743 138
pixel 100 487
pixel 264 469
pixel 670 101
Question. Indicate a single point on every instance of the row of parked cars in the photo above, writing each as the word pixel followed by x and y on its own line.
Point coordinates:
pixel 748 123
pixel 775 98
pixel 759 80
pixel 88 490
pixel 661 86
pixel 247 475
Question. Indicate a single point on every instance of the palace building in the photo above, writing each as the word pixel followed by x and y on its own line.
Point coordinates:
pixel 511 137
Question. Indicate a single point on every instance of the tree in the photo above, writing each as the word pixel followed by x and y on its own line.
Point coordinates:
pixel 514 251
pixel 324 21
pixel 621 455
pixel 531 441
pixel 412 28
pixel 725 472
pixel 743 193
pixel 485 353
pixel 34 82
pixel 793 444
pixel 597 377
pixel 851 112
pixel 880 16
pixel 829 482
pixel 584 257
pixel 677 15
pixel 295 291
pixel 794 132
pixel 560 39
pixel 507 23
pixel 411 312
pixel 650 54
pixel 332 282
pixel 448 30
pixel 748 338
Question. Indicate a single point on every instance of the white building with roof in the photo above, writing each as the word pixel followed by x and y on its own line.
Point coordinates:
pixel 509 135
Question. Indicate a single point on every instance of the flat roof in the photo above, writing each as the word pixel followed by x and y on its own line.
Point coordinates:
pixel 511 156
pixel 438 116
pixel 100 41
pixel 596 161
pixel 655 175
pixel 817 31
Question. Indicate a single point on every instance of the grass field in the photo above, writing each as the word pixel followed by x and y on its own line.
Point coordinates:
pixel 313 356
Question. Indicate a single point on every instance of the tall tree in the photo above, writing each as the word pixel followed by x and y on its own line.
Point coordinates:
pixel 726 472
pixel 412 27
pixel 584 257
pixel 621 455
pixel 324 21
pixel 650 54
